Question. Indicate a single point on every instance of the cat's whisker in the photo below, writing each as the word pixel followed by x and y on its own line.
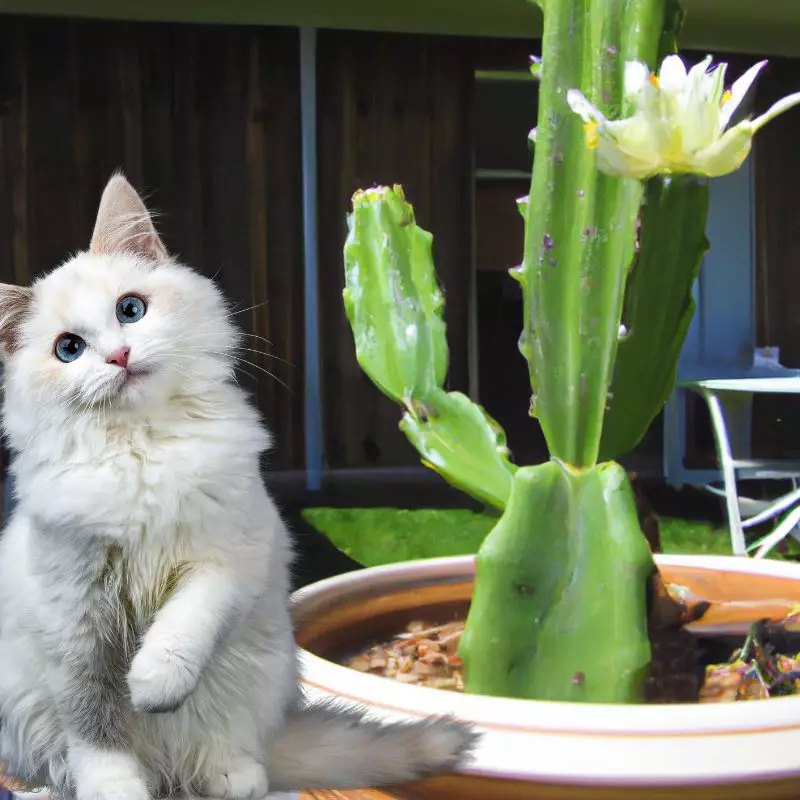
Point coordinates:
pixel 257 336
pixel 235 312
pixel 242 347
pixel 268 355
pixel 249 374
pixel 186 375
pixel 265 371
pixel 234 359
pixel 249 308
pixel 238 361
pixel 230 358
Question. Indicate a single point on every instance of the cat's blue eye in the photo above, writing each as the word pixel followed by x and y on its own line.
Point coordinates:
pixel 131 308
pixel 69 347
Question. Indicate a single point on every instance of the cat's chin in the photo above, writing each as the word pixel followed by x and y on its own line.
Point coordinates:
pixel 140 388
pixel 133 379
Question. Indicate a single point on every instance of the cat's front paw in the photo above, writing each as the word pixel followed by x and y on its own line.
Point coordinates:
pixel 161 678
pixel 106 775
pixel 114 789
pixel 243 779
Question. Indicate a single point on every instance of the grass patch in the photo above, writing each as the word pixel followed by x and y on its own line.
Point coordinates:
pixel 375 536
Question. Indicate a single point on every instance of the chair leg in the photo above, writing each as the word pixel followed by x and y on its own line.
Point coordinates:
pixel 780 533
pixel 728 471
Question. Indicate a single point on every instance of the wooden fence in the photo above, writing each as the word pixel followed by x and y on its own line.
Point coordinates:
pixel 206 120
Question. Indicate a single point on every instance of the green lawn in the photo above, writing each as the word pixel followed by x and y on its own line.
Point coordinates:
pixel 374 536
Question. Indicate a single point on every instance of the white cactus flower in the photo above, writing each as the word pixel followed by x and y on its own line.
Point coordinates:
pixel 682 121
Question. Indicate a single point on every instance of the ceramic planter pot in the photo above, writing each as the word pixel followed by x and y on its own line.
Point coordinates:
pixel 531 749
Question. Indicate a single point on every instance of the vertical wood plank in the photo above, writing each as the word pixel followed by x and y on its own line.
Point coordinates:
pixel 392 109
pixel 18 156
pixel 284 236
pixel 205 122
pixel 257 176
pixel 128 75
pixel 776 429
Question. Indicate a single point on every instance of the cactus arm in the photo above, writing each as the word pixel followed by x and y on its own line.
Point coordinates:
pixel 658 308
pixel 391 299
pixel 458 439
pixel 394 307
pixel 674 16
pixel 559 606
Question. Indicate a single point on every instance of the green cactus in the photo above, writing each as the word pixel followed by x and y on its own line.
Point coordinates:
pixel 580 224
pixel 558 610
pixel 394 307
pixel 458 439
pixel 391 297
pixel 580 231
pixel 658 308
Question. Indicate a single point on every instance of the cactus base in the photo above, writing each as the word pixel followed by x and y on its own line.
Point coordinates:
pixel 559 607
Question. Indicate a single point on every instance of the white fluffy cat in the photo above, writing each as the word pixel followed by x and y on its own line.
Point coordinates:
pixel 145 634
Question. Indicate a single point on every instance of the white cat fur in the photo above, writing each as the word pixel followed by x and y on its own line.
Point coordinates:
pixel 145 561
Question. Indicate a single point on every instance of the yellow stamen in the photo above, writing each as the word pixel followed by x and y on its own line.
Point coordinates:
pixel 654 80
pixel 590 129
pixel 726 95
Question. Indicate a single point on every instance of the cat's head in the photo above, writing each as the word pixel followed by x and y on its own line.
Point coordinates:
pixel 121 326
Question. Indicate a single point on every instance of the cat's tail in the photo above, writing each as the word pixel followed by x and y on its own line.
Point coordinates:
pixel 331 746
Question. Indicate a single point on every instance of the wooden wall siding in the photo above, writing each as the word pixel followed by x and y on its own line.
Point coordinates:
pixel 777 159
pixel 392 109
pixel 206 121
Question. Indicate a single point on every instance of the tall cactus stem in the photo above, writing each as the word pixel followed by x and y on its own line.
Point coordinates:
pixel 558 611
pixel 580 224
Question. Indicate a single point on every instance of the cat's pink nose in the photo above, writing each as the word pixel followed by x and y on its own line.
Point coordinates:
pixel 119 357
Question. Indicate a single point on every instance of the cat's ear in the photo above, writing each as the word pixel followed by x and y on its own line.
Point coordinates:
pixel 15 304
pixel 124 224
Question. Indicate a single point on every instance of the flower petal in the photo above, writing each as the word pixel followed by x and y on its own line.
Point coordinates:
pixel 636 75
pixel 683 122
pixel 718 89
pixel 611 161
pixel 699 113
pixel 583 108
pixel 704 83
pixel 739 90
pixel 784 104
pixel 672 75
pixel 699 74
pixel 726 154
pixel 627 148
